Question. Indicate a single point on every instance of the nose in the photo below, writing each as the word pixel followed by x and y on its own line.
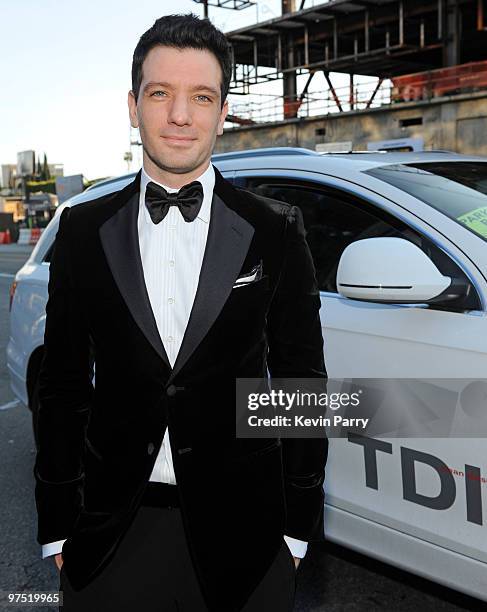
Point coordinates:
pixel 179 111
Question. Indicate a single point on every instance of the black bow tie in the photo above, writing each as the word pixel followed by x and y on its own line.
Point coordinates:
pixel 188 199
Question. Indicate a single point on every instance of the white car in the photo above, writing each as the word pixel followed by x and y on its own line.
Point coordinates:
pixel 375 222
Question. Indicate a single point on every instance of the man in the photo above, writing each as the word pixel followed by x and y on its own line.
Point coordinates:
pixel 180 284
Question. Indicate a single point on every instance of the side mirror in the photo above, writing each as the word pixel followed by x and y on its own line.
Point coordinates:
pixel 392 270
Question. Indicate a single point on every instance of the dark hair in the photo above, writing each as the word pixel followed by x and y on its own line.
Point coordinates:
pixel 182 32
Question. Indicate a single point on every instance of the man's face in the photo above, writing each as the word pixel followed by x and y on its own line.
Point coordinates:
pixel 178 110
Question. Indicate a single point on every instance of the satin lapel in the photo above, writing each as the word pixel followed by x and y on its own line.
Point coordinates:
pixel 227 244
pixel 120 241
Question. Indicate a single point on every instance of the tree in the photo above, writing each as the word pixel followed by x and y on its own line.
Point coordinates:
pixel 46 175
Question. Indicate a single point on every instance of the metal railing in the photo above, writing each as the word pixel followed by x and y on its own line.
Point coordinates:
pixel 264 108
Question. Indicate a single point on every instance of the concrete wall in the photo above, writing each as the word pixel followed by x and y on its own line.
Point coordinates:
pixel 456 123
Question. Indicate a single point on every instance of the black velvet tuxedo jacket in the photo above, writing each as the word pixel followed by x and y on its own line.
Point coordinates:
pixel 98 443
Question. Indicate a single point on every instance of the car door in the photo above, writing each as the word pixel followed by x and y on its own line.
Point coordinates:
pixel 391 483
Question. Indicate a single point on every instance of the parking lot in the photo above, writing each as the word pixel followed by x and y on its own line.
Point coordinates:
pixel 329 578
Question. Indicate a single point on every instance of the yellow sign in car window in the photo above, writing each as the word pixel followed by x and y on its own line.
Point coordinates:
pixel 476 220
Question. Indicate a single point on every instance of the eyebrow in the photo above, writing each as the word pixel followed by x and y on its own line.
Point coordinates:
pixel 194 88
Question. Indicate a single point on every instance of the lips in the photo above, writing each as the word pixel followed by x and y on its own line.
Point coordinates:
pixel 180 138
pixel 175 142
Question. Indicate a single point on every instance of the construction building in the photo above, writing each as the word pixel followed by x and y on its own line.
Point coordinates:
pixel 413 74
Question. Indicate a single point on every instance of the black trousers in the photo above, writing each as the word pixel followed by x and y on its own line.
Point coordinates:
pixel 151 569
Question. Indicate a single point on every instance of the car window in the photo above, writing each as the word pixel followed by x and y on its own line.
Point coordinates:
pixel 334 219
pixel 44 244
pixel 457 188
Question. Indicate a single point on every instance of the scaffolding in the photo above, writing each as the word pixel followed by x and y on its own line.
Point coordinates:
pixel 378 38
pixel 236 5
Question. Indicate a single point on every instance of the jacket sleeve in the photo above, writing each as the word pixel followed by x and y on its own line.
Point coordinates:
pixel 65 393
pixel 295 350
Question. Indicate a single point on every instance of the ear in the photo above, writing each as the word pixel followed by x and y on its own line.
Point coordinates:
pixel 223 114
pixel 134 122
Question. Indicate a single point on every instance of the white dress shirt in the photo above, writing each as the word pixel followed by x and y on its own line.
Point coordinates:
pixel 172 253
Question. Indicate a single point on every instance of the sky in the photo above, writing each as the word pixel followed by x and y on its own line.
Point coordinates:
pixel 65 73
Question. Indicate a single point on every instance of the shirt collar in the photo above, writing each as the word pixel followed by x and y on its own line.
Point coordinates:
pixel 207 180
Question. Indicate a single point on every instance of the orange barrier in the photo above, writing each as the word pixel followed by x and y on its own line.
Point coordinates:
pixel 35 234
pixel 440 82
pixel 29 236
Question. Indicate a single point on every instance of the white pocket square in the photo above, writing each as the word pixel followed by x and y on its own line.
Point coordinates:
pixel 249 277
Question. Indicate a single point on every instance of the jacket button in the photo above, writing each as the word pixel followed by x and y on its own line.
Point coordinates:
pixel 171 390
pixel 150 448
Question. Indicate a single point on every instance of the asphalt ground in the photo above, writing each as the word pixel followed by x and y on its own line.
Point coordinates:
pixel 330 578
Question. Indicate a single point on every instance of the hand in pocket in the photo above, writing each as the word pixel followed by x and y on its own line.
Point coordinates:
pixel 59 560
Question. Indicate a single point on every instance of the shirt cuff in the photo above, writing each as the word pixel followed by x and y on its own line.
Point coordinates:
pixel 53 548
pixel 298 548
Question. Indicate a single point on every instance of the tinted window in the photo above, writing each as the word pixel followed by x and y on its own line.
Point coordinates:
pixel 457 189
